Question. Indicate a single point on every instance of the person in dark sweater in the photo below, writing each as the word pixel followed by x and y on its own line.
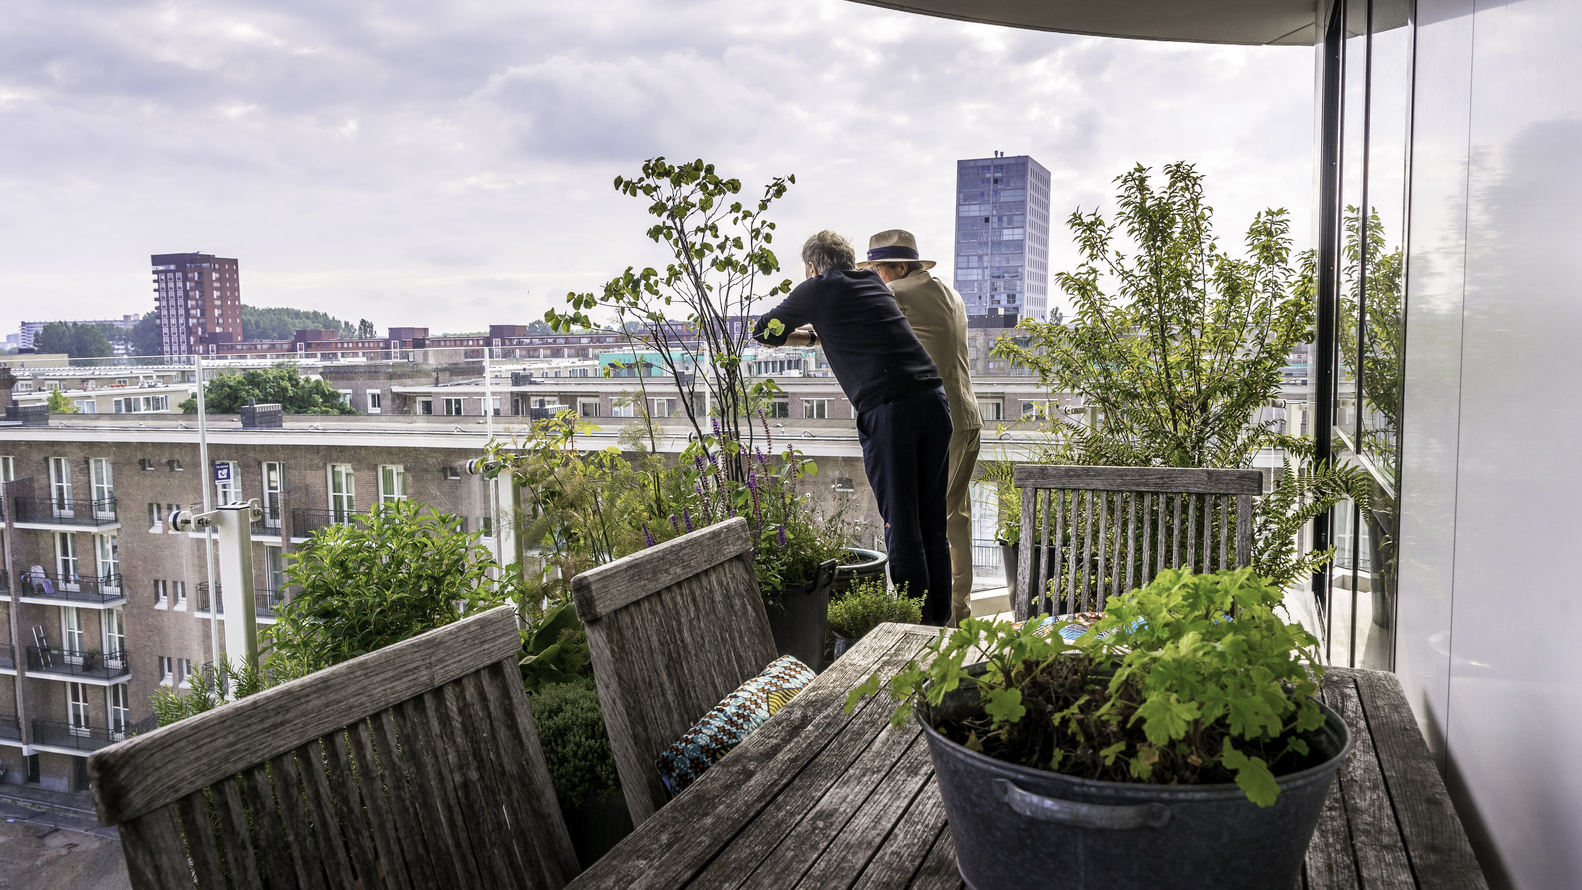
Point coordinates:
pixel 903 416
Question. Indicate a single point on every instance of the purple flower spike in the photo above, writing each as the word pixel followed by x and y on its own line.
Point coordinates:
pixel 782 534
pixel 648 536
pixel 675 523
pixel 715 423
pixel 769 440
pixel 686 518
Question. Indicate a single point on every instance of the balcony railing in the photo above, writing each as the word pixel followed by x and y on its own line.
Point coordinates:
pixel 265 601
pixel 70 589
pixel 7 657
pixel 63 511
pixel 84 664
pixel 10 727
pixel 306 522
pixel 86 738
pixel 266 528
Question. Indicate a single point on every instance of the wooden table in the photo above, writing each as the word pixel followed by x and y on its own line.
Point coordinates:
pixel 821 798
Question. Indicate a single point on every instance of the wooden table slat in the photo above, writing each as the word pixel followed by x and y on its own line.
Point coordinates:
pixel 908 844
pixel 939 869
pixel 1375 838
pixel 874 822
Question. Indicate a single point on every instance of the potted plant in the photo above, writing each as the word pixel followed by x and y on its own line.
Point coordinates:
pixel 581 767
pixel 90 661
pixel 1177 743
pixel 860 565
pixel 865 607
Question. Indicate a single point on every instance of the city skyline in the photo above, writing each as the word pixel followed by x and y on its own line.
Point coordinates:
pixel 381 163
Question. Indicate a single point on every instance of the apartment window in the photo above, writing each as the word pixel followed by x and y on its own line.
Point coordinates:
pixel 7 468
pixel 392 484
pixel 1035 409
pixel 107 549
pixel 425 406
pixel 661 407
pixel 375 401
pixel 71 636
pixel 155 521
pixel 183 671
pixel 161 594
pixel 587 407
pixel 274 569
pixel 66 558
pixel 180 592
pixel 227 483
pixel 452 407
pixel 77 708
pixel 991 409
pixel 60 485
pixel 815 409
pixel 114 636
pixel 780 408
pixel 343 492
pixel 175 466
pixel 120 708
pixel 167 670
pixel 274 484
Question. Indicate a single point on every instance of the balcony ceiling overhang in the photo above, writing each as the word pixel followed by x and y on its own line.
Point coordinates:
pixel 1247 22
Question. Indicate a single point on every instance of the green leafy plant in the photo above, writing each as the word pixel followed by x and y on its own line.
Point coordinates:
pixel 59 404
pixel 555 648
pixel 1176 346
pixel 576 744
pixel 1191 680
pixel 867 605
pixel 394 573
pixel 721 263
pixel 227 393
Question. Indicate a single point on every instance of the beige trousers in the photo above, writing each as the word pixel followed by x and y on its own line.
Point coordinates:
pixel 964 445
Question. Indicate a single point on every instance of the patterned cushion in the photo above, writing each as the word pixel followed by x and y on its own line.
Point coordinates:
pixel 1081 623
pixel 732 720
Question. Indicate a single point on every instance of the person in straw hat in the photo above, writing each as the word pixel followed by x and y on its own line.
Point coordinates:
pixel 903 416
pixel 939 318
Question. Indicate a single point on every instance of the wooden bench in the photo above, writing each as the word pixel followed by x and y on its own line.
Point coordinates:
pixel 819 798
pixel 672 630
pixel 414 766
pixel 1101 531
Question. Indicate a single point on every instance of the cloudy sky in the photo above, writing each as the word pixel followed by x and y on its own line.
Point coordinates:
pixel 450 164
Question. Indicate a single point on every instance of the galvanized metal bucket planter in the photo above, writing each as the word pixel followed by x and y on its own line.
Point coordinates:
pixel 1016 827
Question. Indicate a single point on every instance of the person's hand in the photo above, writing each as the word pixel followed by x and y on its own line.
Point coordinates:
pixel 802 336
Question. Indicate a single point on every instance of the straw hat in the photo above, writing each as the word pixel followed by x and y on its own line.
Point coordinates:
pixel 893 246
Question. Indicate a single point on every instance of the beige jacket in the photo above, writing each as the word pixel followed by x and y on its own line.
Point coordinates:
pixel 939 318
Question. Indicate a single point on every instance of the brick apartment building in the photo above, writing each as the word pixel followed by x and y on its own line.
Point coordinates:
pixel 199 298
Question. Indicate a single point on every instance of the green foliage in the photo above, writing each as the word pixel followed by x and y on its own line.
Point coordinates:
pixel 145 337
pixel 867 605
pixel 1174 348
pixel 722 255
pixel 576 745
pixel 228 393
pixel 75 340
pixel 555 648
pixel 398 571
pixel 1191 680
pixel 59 404
pixel 280 323
pixel 365 329
pixel 210 687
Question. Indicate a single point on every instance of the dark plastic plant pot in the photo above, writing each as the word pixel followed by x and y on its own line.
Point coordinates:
pixel 863 565
pixel 1017 827
pixel 799 623
pixel 596 826
pixel 843 644
pixel 1010 558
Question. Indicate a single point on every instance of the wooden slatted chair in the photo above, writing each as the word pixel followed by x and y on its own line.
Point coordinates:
pixel 1092 532
pixel 414 766
pixel 672 630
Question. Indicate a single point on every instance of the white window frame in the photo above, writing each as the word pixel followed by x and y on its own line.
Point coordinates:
pixel 228 492
pixel 60 485
pixel 7 468
pixel 107 560
pixel 184 672
pixel 425 407
pixel 180 594
pixel 343 491
pixel 156 522
pixel 67 567
pixel 623 408
pixel 77 709
pixel 161 593
pixel 458 404
pixel 273 478
pixel 991 409
pixel 587 407
pixel 72 637
pixel 167 670
pixel 274 569
pixel 815 409
pixel 392 483
pixel 662 407
pixel 375 400
pixel 779 409
pixel 113 623
pixel 118 709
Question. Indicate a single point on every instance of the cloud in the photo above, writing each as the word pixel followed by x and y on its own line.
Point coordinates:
pixel 451 163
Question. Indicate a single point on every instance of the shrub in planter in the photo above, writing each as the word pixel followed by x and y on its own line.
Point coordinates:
pixel 864 607
pixel 581 766
pixel 1125 757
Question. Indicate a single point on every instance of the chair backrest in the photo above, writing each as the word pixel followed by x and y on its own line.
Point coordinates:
pixel 1092 532
pixel 417 765
pixel 671 631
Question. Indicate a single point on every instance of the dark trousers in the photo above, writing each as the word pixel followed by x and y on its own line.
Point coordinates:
pixel 906 451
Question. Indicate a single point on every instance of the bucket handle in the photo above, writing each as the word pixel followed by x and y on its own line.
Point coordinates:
pixel 1081 815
